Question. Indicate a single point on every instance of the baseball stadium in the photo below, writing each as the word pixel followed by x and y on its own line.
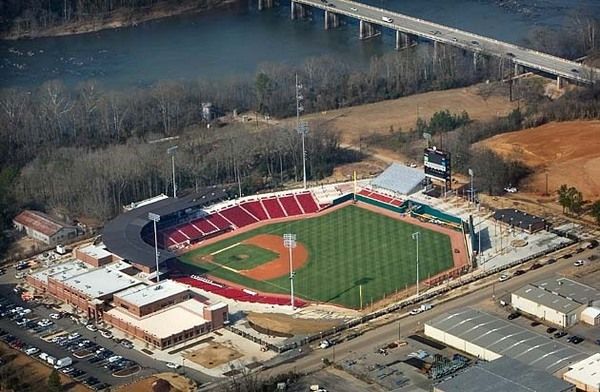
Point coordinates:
pixel 351 245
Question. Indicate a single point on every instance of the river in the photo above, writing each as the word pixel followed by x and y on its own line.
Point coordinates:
pixel 234 42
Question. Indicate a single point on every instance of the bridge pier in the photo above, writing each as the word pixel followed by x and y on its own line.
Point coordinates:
pixel 298 11
pixel 367 30
pixel 263 4
pixel 404 40
pixel 332 20
pixel 559 82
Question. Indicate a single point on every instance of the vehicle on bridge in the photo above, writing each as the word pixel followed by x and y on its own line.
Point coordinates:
pixel 386 19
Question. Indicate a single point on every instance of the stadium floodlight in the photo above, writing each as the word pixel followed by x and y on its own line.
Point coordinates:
pixel 289 241
pixel 301 128
pixel 155 218
pixel 171 151
pixel 471 196
pixel 415 236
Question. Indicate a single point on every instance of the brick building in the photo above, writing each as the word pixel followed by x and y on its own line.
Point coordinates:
pixel 94 255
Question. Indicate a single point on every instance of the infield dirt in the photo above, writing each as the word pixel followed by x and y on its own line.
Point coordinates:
pixel 569 152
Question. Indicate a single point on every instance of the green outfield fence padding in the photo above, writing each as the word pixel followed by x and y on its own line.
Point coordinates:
pixel 343 199
pixel 423 209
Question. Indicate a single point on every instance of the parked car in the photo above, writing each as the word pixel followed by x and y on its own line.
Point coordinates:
pixel 55 316
pixel 519 272
pixel 106 334
pixel 91 327
pixel 535 266
pixel 503 277
pixel 172 365
pixel 579 263
pixel 514 315
pixel 560 334
pixel 551 261
pixel 535 323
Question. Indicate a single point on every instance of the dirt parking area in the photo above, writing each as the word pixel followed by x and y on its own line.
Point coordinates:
pixel 213 355
pixel 286 324
pixel 569 152
pixel 333 379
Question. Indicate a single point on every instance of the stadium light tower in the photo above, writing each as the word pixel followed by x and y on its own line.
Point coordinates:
pixel 289 241
pixel 155 218
pixel 471 196
pixel 171 151
pixel 301 128
pixel 415 236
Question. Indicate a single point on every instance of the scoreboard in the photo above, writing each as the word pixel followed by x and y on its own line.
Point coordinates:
pixel 437 165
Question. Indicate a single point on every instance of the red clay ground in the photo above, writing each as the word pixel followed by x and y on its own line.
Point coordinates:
pixel 568 151
pixel 280 266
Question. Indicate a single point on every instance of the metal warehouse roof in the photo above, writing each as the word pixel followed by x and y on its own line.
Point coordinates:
pixel 399 178
pixel 507 339
pixel 547 299
pixel 586 371
pixel 503 374
pixel 570 289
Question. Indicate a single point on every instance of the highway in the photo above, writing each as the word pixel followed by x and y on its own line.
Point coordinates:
pixel 528 58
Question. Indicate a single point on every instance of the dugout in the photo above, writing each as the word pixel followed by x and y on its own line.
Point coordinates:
pixel 522 220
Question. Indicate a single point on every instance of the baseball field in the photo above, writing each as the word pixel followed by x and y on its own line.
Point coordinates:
pixel 337 255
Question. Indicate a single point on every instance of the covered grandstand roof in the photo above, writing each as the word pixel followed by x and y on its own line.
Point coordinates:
pixel 400 179
pixel 123 235
pixel 520 219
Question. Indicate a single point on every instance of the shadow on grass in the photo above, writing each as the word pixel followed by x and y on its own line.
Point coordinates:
pixel 359 282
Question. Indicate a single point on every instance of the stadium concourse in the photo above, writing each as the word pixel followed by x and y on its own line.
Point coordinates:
pixel 205 217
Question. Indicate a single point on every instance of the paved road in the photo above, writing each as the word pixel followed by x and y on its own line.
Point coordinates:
pixel 448 35
pixel 408 325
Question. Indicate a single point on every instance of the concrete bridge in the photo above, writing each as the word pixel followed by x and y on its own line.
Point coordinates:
pixel 408 29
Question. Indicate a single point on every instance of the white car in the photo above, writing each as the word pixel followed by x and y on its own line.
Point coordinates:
pixel 73 336
pixel 32 351
pixel 579 263
pixel 106 334
pixel 54 316
pixel 91 327
pixel 353 9
pixel 503 277
pixel 415 311
pixel 25 311
pixel 115 358
pixel 510 189
pixel 172 365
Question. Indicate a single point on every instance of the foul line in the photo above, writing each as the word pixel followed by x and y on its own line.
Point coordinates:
pixel 224 249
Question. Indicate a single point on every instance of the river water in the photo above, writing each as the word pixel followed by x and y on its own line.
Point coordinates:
pixel 234 42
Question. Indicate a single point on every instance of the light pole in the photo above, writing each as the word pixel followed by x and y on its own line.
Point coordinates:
pixel 289 241
pixel 301 128
pixel 472 196
pixel 171 151
pixel 415 236
pixel 155 218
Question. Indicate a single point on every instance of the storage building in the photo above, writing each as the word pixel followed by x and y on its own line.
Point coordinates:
pixel 44 228
pixel 585 374
pixel 591 316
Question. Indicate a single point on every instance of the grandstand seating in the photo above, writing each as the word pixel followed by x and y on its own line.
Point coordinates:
pixel 273 208
pixel 238 216
pixel 381 197
pixel 256 209
pixel 290 205
pixel 308 203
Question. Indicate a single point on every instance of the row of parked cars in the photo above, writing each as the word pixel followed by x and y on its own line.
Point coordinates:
pixel 551 330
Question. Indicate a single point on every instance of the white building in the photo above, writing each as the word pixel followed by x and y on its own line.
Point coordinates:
pixel 591 316
pixel 585 374
pixel 560 301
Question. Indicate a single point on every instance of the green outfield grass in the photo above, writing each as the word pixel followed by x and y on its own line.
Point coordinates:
pixel 244 256
pixel 348 248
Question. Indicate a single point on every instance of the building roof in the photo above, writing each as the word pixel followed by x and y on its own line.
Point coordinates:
pixel 570 289
pixel 123 235
pixel 40 222
pixel 518 218
pixel 95 251
pixel 183 316
pixel 547 299
pixel 507 339
pixel 399 178
pixel 144 295
pixel 102 281
pixel 503 374
pixel 61 271
pixel 591 312
pixel 586 371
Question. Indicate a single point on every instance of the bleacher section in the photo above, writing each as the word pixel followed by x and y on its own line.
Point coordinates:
pixel 231 217
pixel 381 197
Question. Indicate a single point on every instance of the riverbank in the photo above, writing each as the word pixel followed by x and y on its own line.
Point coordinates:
pixel 120 18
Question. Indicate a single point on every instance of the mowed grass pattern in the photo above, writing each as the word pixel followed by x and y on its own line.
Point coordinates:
pixel 348 248
pixel 244 257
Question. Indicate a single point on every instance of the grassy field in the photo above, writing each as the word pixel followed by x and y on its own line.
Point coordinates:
pixel 348 248
pixel 244 256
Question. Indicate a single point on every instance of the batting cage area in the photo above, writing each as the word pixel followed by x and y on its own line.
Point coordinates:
pixel 348 256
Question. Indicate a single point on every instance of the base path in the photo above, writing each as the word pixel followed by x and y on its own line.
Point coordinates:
pixel 280 266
